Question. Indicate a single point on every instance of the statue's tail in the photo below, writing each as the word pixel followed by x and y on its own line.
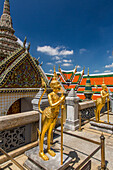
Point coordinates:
pixel 39 134
pixel 40 110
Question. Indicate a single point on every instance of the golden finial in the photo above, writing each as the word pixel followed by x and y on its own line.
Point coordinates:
pixel 103 84
pixel 59 67
pixel 24 43
pixel 55 75
pixel 88 71
pixel 75 69
pixel 54 82
pixel 83 70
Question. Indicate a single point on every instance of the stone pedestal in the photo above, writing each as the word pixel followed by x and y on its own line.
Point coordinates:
pixel 104 127
pixel 44 103
pixel 72 121
pixel 34 162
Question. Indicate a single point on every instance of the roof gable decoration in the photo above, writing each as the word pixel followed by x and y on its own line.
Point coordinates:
pixel 23 75
pixel 68 81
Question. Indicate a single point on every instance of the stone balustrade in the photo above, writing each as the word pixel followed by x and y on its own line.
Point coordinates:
pixel 86 109
pixel 18 130
pixel 77 110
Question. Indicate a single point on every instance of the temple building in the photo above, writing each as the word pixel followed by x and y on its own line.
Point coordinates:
pixel 96 79
pixel 78 81
pixel 20 73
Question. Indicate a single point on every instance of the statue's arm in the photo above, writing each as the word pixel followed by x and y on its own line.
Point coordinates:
pixel 104 95
pixel 57 103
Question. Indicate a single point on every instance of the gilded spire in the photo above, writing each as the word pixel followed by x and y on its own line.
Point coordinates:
pixel 88 89
pixel 75 69
pixel 54 82
pixel 88 71
pixel 6 9
pixel 55 75
pixel 103 84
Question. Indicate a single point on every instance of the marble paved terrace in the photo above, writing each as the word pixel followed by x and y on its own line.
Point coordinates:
pixel 77 148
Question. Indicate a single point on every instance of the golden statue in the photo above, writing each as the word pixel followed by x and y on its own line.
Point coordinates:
pixel 49 116
pixel 100 102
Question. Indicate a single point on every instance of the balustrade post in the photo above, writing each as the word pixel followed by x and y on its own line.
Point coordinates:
pixel 103 165
pixel 80 121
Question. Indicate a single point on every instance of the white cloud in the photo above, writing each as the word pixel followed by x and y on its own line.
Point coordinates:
pixel 107 71
pixel 66 52
pixel 96 71
pixel 108 51
pixel 67 61
pixel 50 70
pixel 110 57
pixel 21 42
pixel 54 51
pixel 66 64
pixel 78 66
pixel 56 58
pixel 82 50
pixel 57 62
pixel 109 66
pixel 49 63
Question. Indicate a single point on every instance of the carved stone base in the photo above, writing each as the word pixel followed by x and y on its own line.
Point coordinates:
pixel 99 168
pixel 71 125
pixel 34 162
pixel 102 127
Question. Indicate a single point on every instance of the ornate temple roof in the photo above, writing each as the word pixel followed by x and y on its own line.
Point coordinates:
pixel 69 79
pixel 8 41
pixel 21 70
pixel 78 80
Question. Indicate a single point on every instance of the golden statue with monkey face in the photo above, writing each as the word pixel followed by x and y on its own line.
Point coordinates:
pixel 100 102
pixel 49 116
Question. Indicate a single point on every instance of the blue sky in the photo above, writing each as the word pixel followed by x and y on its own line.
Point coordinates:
pixel 66 32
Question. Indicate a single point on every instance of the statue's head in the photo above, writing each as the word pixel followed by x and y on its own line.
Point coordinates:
pixel 104 87
pixel 55 85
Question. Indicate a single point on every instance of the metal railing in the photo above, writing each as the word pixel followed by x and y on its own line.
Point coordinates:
pixel 13 160
pixel 101 146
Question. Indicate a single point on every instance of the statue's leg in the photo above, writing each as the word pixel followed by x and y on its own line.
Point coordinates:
pixel 96 114
pixel 102 105
pixel 51 152
pixel 45 127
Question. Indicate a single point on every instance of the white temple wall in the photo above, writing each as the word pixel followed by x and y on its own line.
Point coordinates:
pixel 7 99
